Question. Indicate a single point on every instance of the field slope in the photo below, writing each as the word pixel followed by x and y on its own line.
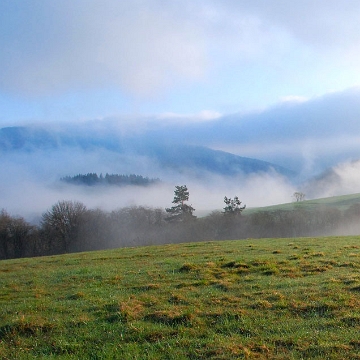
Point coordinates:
pixel 342 203
pixel 253 299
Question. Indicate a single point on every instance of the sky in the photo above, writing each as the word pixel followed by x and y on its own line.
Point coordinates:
pixel 66 60
pixel 274 80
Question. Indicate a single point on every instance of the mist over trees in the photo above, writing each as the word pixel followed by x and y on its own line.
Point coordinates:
pixel 69 226
pixel 60 225
pixel 299 196
pixel 17 237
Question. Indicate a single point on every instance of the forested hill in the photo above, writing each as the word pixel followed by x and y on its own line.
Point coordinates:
pixel 92 179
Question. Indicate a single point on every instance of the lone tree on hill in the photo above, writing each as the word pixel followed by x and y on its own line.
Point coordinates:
pixel 299 196
pixel 233 206
pixel 180 211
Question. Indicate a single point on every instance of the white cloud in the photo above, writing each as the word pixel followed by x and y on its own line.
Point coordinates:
pixel 348 174
pixel 205 115
pixel 144 47
pixel 293 98
pixel 324 23
pixel 140 47
pixel 342 179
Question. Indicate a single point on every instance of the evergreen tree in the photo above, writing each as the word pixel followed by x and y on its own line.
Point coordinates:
pixel 180 211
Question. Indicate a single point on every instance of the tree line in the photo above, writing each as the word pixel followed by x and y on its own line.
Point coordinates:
pixel 92 179
pixel 69 226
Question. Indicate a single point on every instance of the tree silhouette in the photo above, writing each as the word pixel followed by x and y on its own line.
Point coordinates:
pixel 180 211
pixel 299 196
pixel 62 222
pixel 233 206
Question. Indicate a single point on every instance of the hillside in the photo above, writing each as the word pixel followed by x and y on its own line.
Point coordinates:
pixel 253 299
pixel 341 203
pixel 177 156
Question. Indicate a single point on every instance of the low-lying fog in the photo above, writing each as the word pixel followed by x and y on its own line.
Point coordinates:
pixel 29 184
pixel 318 139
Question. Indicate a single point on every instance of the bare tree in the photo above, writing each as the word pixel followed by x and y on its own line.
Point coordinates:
pixel 15 236
pixel 63 221
pixel 299 196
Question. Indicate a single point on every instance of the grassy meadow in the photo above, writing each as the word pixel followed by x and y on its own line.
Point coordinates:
pixel 249 299
pixel 342 203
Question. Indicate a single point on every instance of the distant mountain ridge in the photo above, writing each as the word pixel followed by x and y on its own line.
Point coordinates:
pixel 176 157
pixel 306 136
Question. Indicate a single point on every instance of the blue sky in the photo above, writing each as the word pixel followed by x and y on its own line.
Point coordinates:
pixel 86 59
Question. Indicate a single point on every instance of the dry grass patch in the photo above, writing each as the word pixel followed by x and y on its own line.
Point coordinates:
pixel 170 317
pixel 177 299
pixel 187 267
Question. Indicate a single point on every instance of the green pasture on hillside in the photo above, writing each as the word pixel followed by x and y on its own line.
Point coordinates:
pixel 248 299
pixel 341 203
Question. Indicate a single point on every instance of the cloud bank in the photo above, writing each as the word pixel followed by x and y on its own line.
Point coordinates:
pixel 31 184
pixel 145 47
pixel 54 46
pixel 308 136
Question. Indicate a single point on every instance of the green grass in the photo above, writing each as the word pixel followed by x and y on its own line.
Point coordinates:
pixel 341 203
pixel 250 299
